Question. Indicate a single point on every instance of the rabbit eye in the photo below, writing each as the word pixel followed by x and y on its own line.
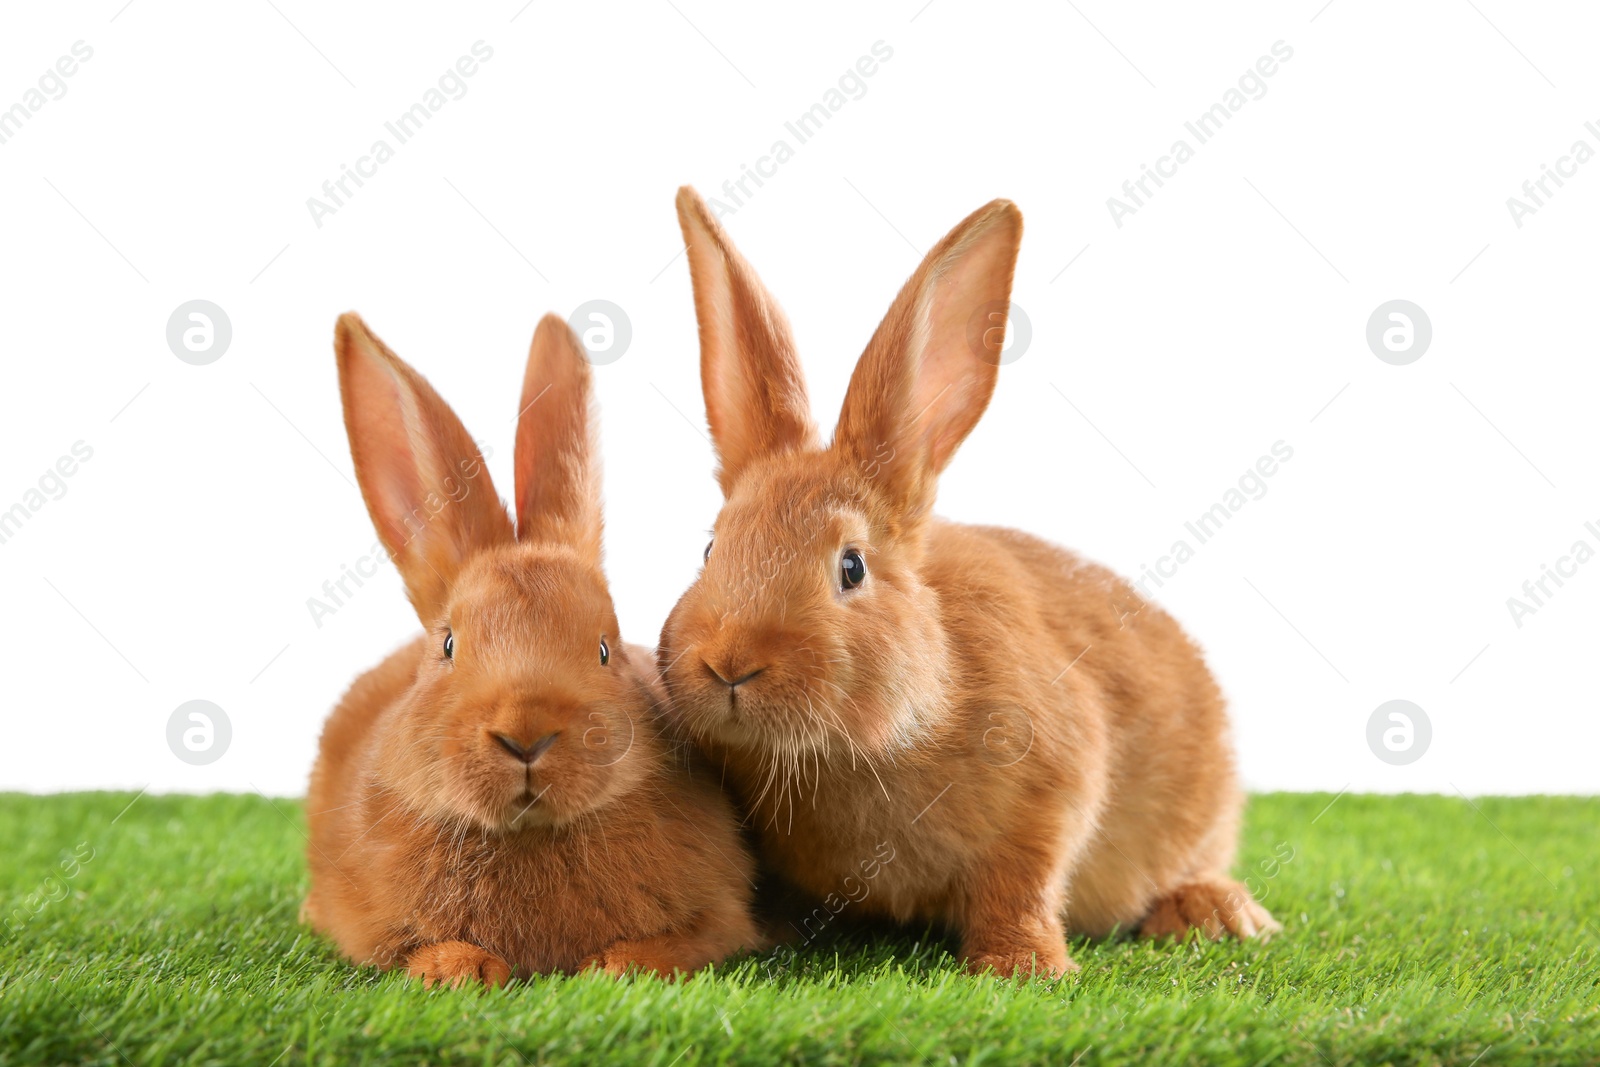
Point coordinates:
pixel 852 569
pixel 449 645
pixel 605 652
pixel 708 547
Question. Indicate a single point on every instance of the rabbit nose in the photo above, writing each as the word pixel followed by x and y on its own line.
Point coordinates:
pixel 731 676
pixel 528 754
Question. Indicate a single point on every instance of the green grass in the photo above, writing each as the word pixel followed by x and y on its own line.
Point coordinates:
pixel 1419 930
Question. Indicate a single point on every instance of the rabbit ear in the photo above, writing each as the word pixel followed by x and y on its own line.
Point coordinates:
pixel 755 394
pixel 928 372
pixel 423 479
pixel 557 461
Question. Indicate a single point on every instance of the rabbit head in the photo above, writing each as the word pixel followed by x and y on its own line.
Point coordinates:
pixel 809 626
pixel 525 710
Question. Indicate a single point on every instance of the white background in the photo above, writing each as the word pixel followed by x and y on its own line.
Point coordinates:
pixel 1227 314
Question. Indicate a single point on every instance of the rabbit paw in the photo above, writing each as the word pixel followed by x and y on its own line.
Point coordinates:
pixel 457 963
pixel 1043 962
pixel 660 956
pixel 1216 909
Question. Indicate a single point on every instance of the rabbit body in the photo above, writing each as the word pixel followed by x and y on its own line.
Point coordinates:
pixel 496 798
pixel 1037 747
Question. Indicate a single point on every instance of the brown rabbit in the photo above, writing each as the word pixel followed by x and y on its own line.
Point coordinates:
pixel 1032 746
pixel 495 799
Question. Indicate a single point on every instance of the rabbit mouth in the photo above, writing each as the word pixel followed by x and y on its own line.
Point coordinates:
pixel 527 809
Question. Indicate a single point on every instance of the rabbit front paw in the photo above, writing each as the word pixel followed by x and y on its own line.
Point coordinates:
pixel 1044 960
pixel 1215 908
pixel 457 963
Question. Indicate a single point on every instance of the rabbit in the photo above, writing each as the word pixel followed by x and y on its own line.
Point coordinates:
pixel 497 798
pixel 949 724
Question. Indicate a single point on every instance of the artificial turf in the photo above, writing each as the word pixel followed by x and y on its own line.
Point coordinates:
pixel 1419 929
